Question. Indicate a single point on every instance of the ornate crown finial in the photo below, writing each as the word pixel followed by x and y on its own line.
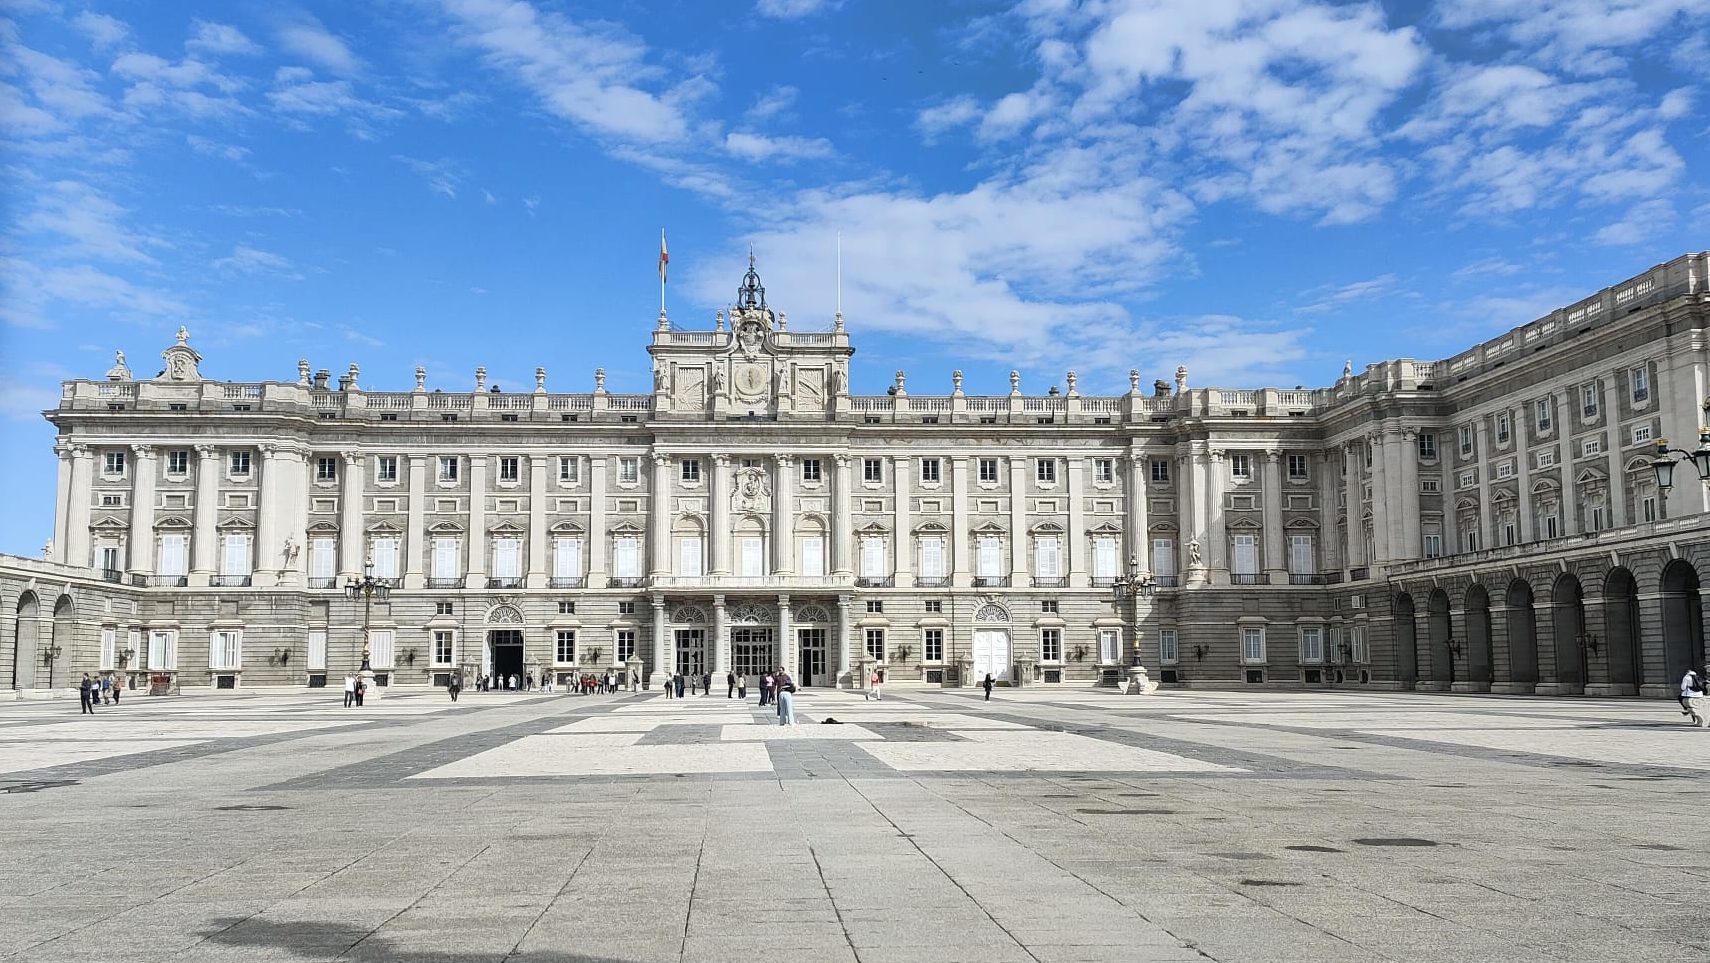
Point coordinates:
pixel 752 294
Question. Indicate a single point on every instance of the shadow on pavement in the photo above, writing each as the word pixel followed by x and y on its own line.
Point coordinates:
pixel 329 940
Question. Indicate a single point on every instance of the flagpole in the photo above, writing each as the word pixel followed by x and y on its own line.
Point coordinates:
pixel 663 260
pixel 837 322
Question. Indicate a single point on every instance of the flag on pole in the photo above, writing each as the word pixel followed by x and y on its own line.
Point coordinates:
pixel 664 258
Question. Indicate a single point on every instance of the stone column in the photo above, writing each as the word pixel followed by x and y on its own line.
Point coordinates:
pixel 843 679
pixel 268 559
pixel 1485 464
pixel 1523 470
pixel 1382 504
pixel 783 516
pixel 77 515
pixel 1074 540
pixel 902 539
pixel 1329 554
pixel 718 516
pixel 537 521
pixel 1353 517
pixel 1191 483
pixel 1018 537
pixel 205 535
pixel 720 641
pixel 1217 536
pixel 842 527
pixel 1276 562
pixel 352 554
pixel 1681 385
pixel 1617 514
pixel 140 552
pixel 62 501
pixel 294 484
pixel 1408 451
pixel 1567 416
pixel 662 666
pixel 659 518
pixel 415 538
pixel 1139 544
pixel 960 549
pixel 790 657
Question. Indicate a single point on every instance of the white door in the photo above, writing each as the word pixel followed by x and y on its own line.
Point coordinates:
pixel 991 654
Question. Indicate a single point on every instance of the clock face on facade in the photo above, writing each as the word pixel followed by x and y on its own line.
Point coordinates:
pixel 751 379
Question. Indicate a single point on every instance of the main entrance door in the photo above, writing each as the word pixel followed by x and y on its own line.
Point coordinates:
pixel 753 651
pixel 506 651
pixel 692 651
pixel 811 646
pixel 991 654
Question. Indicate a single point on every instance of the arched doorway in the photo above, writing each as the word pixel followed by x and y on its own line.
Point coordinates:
pixel 1478 650
pixel 64 645
pixel 1440 633
pixel 1621 632
pixel 812 627
pixel 504 656
pixel 690 655
pixel 1522 625
pixel 1682 619
pixel 1406 642
pixel 754 639
pixel 1567 625
pixel 992 643
pixel 25 631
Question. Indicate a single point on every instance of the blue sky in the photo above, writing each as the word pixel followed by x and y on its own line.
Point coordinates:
pixel 1257 190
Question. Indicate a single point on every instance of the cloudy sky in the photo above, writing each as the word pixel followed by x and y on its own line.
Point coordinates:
pixel 1258 190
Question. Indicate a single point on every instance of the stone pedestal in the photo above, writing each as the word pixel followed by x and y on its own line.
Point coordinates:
pixel 633 669
pixel 369 690
pixel 964 673
pixel 1139 683
pixel 863 673
pixel 1026 673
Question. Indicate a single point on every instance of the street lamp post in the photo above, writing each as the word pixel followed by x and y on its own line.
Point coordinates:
pixel 1131 587
pixel 367 589
pixel 1666 457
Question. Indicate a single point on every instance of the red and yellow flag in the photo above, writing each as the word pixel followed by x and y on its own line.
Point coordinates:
pixel 664 258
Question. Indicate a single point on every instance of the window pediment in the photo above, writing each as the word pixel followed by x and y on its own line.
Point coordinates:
pixel 445 528
pixel 237 522
pixel 565 528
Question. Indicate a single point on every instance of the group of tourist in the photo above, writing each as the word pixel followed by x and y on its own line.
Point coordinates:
pixel 99 692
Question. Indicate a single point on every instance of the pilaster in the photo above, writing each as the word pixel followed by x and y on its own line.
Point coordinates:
pixel 140 551
pixel 903 538
pixel 536 571
pixel 783 516
pixel 1075 539
pixel 1276 566
pixel 352 554
pixel 718 505
pixel 843 529
pixel 659 518
pixel 959 548
pixel 415 538
pixel 205 533
pixel 269 552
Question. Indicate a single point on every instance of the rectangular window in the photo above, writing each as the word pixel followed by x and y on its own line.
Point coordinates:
pixel 1253 645
pixel 873 470
pixel 317 649
pixel 691 471
pixel 326 469
pixel 1640 378
pixel 107 559
pixel 569 469
pixel 1311 644
pixel 1642 434
pixel 178 463
pixel 113 463
pixel 935 606
pixel 238 463
pixel 813 556
pixel 1167 650
pixel 171 561
pixel 990 563
pixel 507 558
pixel 1590 447
pixel 386 468
pixel 875 641
pixel 1427 446
pixel 1104 470
pixel 1546 458
pixel 932 645
pixel 1505 469
pixel 1160 471
pixel 1509 533
pixel 689 556
pixel 1466 439
pixel 1050 645
pixel 1297 468
pixel 932 557
pixel 626 557
pixel 109 643
pixel 163 649
pixel 1469 537
pixel 380 648
pixel 446 562
pixel 442 647
pixel 1047 556
pixel 225 649
pixel 566 557
pixel 1104 564
pixel 1588 399
pixel 384 551
pixel 1552 527
pixel 623 642
pixel 1048 607
pixel 447 608
pixel 751 556
pixel 1648 508
pixel 1431 486
pixel 873 556
pixel 1433 546
pixel 875 606
pixel 1504 428
pixel 510 468
pixel 1109 647
pixel 1164 556
pixel 989 470
pixel 931 471
pixel 234 556
pixel 1045 471
pixel 1241 466
pixel 626 608
pixel 628 470
pixel 813 471
pixel 1301 560
pixel 448 466
pixel 1245 559
pixel 1542 408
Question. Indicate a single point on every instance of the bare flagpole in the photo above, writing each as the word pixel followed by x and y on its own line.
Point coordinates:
pixel 664 259
pixel 839 319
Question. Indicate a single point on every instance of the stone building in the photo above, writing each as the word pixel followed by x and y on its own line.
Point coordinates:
pixel 1491 521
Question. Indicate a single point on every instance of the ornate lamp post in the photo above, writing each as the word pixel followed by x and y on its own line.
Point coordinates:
pixel 1130 587
pixel 1666 457
pixel 367 589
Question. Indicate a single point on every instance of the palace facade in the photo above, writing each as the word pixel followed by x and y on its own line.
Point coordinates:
pixel 1487 522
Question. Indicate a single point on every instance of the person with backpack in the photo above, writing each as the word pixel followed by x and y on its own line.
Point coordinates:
pixel 1691 695
pixel 987 684
pixel 786 699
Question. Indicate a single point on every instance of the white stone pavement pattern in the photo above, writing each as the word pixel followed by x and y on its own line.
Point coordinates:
pixel 1044 825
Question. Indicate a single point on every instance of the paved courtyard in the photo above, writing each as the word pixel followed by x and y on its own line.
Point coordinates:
pixel 1060 825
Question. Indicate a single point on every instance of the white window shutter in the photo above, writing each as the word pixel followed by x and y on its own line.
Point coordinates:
pixel 991 557
pixel 689 556
pixel 507 558
pixel 1046 557
pixel 625 559
pixel 932 557
pixel 1164 556
pixel 1301 561
pixel 323 557
pixel 1246 555
pixel 813 556
pixel 566 557
pixel 872 557
pixel 1104 557
pixel 445 558
pixel 386 557
pixel 753 560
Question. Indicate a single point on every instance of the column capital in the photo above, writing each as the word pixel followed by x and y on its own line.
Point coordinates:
pixel 1410 434
pixel 721 459
pixel 207 452
pixel 143 451
pixel 1215 454
pixel 783 603
pixel 351 458
pixel 660 461
pixel 1273 456
pixel 718 601
pixel 269 449
pixel 658 602
pixel 842 458
pixel 784 460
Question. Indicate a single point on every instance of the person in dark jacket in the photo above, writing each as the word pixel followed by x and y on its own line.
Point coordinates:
pixel 987 685
pixel 86 695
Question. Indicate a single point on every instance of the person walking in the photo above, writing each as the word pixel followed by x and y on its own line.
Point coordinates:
pixel 778 679
pixel 1691 694
pixel 455 686
pixel 361 690
pixel 742 687
pixel 766 688
pixel 349 690
pixel 706 683
pixel 85 696
pixel 874 686
pixel 730 685
pixel 786 699
pixel 987 685
pixel 118 686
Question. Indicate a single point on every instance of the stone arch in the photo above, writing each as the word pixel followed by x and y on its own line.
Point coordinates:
pixel 991 612
pixel 1522 625
pixel 1567 624
pixel 64 640
pixel 1682 619
pixel 1476 614
pixel 1406 641
pixel 505 614
pixel 1621 631
pixel 26 630
pixel 1439 632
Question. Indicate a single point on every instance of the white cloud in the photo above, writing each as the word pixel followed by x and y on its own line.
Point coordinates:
pixel 773 103
pixel 220 38
pixel 783 150
pixel 1640 224
pixel 442 176
pixel 308 39
pixel 791 9
pixel 1330 298
pixel 32 291
pixel 25 401
pixel 213 148
pixel 245 259
pixel 89 223
pixel 103 31
pixel 1490 267
pixel 1573 33
pixel 953 113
